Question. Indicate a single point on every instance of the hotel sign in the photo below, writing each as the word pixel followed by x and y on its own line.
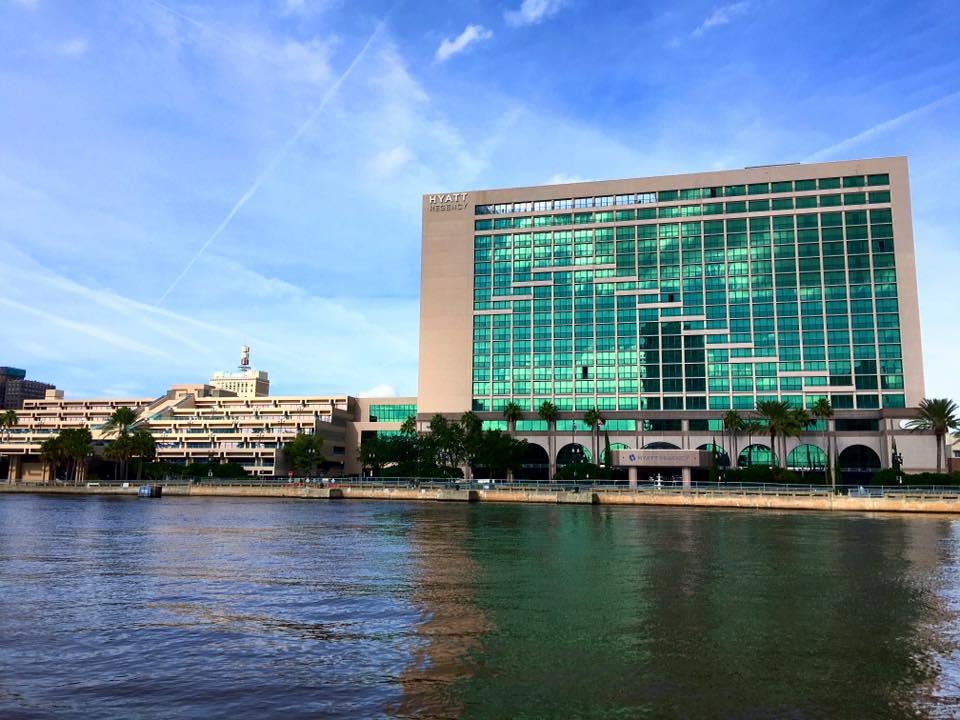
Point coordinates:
pixel 661 458
pixel 446 202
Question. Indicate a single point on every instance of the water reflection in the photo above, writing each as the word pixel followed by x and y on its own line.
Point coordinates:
pixel 249 609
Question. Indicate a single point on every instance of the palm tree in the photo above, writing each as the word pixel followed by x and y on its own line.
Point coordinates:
pixel 938 415
pixel 732 423
pixel 120 421
pixel 77 446
pixel 512 412
pixel 823 410
pixel 779 420
pixel 8 419
pixel 593 419
pixel 143 447
pixel 549 413
pixel 52 453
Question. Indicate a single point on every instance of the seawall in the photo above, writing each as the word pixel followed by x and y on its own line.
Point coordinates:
pixel 747 500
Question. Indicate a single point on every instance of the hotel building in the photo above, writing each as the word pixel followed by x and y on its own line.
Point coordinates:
pixel 666 301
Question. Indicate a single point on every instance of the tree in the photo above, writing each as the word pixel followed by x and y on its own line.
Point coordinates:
pixel 549 413
pixel 8 419
pixel 779 422
pixel 445 443
pixel 512 412
pixel 501 453
pixel 120 451
pixel 732 424
pixel 607 454
pixel 120 421
pixel 143 447
pixel 823 410
pixel 372 454
pixel 52 453
pixel 303 454
pixel 472 435
pixel 77 446
pixel 593 419
pixel 939 416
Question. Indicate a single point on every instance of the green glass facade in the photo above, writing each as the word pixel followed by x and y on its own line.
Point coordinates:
pixel 391 413
pixel 690 299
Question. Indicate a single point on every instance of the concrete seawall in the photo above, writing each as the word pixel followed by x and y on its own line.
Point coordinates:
pixel 746 501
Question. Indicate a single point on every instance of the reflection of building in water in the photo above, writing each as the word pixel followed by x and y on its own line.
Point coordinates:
pixel 451 625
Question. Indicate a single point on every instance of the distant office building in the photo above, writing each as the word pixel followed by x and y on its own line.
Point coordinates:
pixel 15 388
pixel 666 301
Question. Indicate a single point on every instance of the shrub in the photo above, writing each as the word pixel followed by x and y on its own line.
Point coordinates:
pixel 582 471
pixel 760 474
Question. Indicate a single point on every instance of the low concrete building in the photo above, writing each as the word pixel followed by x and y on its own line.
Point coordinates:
pixel 200 424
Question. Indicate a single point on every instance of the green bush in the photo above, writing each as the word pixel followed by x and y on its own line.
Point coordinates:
pixel 889 477
pixel 760 474
pixel 415 469
pixel 582 471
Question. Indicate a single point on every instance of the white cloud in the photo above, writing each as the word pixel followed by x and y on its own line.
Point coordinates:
pixel 723 15
pixel 291 7
pixel 389 162
pixel 470 35
pixel 71 48
pixel 564 179
pixel 381 390
pixel 879 128
pixel 532 12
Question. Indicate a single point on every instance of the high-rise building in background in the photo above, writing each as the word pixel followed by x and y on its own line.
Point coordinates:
pixel 15 388
pixel 702 292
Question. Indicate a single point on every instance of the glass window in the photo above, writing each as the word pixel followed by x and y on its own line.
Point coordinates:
pixel 758 189
pixel 853 181
pixel 883 179
pixel 734 190
pixel 828 183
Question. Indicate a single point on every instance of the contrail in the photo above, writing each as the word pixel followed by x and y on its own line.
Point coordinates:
pixel 877 129
pixel 252 190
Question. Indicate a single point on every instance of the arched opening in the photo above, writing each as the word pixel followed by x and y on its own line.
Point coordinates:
pixel 858 465
pixel 536 463
pixel 573 453
pixel 809 461
pixel 660 446
pixel 756 455
pixel 723 460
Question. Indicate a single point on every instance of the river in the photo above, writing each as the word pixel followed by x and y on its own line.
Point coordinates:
pixel 255 608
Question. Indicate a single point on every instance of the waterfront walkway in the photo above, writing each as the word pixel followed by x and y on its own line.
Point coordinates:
pixel 755 497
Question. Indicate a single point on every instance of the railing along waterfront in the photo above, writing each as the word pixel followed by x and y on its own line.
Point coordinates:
pixel 670 486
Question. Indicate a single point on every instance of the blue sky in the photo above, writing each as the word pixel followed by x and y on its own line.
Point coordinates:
pixel 179 178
